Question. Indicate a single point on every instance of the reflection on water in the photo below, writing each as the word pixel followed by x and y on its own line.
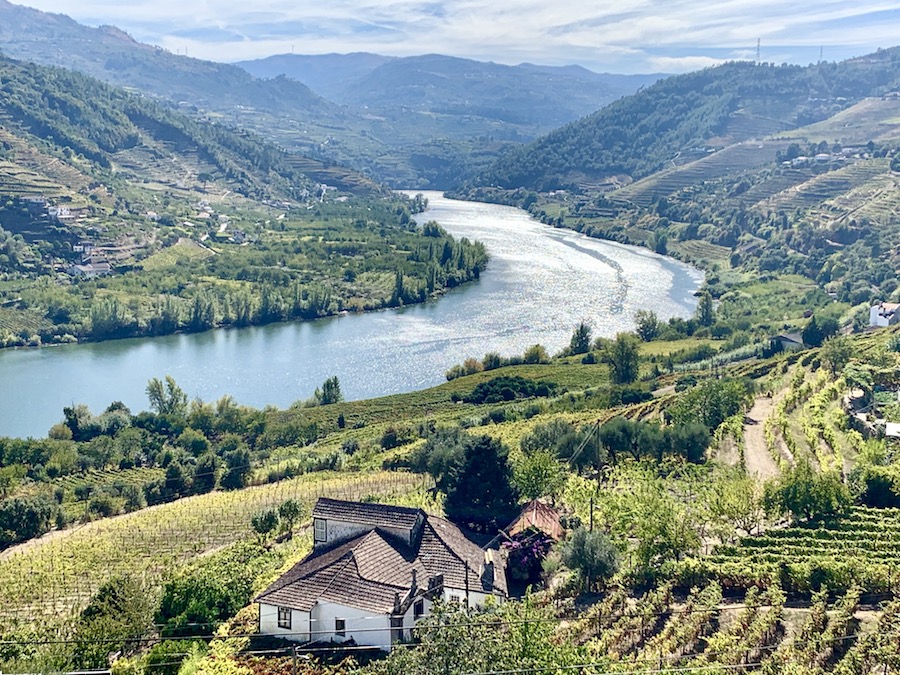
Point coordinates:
pixel 539 284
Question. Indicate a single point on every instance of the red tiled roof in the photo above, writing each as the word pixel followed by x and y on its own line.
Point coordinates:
pixel 540 516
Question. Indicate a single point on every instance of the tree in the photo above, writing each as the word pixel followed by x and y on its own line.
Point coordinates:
pixel 706 315
pixel 290 512
pixel 115 620
pixel 689 440
pixel 167 399
pixel 580 343
pixel 546 436
pixel 264 522
pixel 23 518
pixel 330 393
pixel 734 501
pixel 618 436
pixel 647 325
pixel 481 492
pixel 536 354
pixel 207 472
pixel 623 358
pixel 818 329
pixel 711 402
pixel 591 554
pixel 176 482
pixel 441 456
pixel 804 495
pixel 538 474
pixel 836 353
pixel 237 463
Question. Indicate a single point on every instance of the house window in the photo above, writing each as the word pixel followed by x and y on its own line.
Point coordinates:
pixel 396 628
pixel 418 609
pixel 455 598
pixel 284 617
pixel 321 532
pixel 340 627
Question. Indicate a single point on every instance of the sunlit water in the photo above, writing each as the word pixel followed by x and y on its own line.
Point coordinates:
pixel 539 284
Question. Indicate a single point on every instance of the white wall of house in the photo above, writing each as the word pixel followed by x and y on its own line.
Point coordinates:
pixel 459 595
pixel 366 628
pixel 877 315
pixel 268 623
pixel 876 318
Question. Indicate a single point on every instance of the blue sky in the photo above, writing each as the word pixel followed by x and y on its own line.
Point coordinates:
pixel 604 35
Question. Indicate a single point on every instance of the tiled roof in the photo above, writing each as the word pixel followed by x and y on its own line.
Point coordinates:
pixel 372 569
pixel 365 572
pixel 538 515
pixel 376 515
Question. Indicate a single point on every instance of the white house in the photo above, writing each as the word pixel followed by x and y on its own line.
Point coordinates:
pixel 374 571
pixel 884 314
pixel 89 271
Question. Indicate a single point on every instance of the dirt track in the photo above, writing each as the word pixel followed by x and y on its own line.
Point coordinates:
pixel 757 459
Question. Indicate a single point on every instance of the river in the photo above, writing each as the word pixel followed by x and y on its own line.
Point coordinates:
pixel 539 284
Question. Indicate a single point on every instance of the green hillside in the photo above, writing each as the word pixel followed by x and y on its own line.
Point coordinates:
pixel 689 114
pixel 122 217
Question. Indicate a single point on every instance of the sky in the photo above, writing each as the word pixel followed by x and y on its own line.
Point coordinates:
pixel 624 36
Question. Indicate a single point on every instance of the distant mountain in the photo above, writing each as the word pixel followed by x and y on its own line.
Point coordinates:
pixel 68 131
pixel 109 54
pixel 420 122
pixel 685 117
pixel 528 95
pixel 328 75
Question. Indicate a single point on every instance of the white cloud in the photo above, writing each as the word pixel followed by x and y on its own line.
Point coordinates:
pixel 637 35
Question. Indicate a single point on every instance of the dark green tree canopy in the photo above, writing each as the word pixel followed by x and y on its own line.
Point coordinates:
pixel 481 492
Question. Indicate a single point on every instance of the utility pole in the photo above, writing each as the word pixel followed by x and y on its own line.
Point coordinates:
pixel 758 60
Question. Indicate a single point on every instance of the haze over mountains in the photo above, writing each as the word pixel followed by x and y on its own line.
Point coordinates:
pixel 428 121
pixel 543 96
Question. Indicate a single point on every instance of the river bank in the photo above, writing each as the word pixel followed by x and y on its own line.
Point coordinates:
pixel 541 282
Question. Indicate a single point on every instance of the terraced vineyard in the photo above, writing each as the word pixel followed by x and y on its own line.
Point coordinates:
pixel 18 321
pixel 46 580
pixel 861 548
pixel 663 631
pixel 826 186
pixel 183 251
pixel 739 157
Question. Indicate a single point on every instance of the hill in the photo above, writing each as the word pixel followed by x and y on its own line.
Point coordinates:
pixel 122 217
pixel 329 75
pixel 401 143
pixel 113 56
pixel 689 115
pixel 538 97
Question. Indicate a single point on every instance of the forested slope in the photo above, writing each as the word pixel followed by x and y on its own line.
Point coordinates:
pixel 688 114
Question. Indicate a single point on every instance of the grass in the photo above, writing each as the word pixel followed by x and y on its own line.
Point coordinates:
pixel 183 251
pixel 664 348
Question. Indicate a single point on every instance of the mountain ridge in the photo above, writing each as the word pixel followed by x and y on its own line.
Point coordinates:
pixel 695 112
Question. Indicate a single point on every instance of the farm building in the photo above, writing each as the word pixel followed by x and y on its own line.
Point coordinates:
pixel 884 314
pixel 374 571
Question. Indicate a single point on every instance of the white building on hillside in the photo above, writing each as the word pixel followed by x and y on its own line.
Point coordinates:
pixel 375 570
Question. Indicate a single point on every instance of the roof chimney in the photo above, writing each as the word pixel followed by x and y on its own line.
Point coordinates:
pixel 414 586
